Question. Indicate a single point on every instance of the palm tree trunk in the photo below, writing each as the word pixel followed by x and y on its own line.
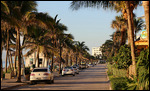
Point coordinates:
pixel 146 10
pixel 67 59
pixel 70 60
pixel 7 56
pixel 11 63
pixel 19 58
pixel 1 57
pixel 10 67
pixel 15 58
pixel 37 56
pixel 76 58
pixel 131 29
pixel 60 59
pixel 52 62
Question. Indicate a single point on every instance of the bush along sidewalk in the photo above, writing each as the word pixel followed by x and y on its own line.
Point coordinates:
pixel 140 82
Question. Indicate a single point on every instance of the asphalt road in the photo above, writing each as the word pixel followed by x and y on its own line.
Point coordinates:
pixel 93 78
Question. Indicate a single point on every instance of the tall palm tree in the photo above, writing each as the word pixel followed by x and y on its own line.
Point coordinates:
pixel 120 25
pixel 38 41
pixel 4 12
pixel 131 30
pixel 63 43
pixel 19 12
pixel 138 25
pixel 128 6
pixel 146 10
pixel 81 48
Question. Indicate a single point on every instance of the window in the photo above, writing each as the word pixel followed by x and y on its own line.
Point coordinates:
pixel 40 70
pixel 40 61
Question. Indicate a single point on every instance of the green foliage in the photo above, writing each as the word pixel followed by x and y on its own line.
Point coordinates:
pixel 141 82
pixel 116 72
pixel 143 70
pixel 123 58
pixel 119 83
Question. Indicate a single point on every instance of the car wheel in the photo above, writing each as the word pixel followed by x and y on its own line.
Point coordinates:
pixel 32 83
pixel 48 81
pixel 62 75
pixel 52 81
pixel 73 74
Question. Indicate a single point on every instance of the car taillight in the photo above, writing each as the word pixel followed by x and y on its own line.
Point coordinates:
pixel 46 73
pixel 32 74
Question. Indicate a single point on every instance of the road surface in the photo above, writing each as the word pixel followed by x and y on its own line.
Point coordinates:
pixel 93 78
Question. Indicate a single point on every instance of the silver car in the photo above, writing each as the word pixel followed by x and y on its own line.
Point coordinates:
pixel 76 69
pixel 68 71
pixel 41 75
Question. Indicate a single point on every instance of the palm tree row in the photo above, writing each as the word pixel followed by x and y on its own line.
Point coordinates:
pixel 41 34
pixel 126 7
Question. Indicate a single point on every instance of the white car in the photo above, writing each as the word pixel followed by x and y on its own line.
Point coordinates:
pixel 90 65
pixel 68 71
pixel 41 74
pixel 76 69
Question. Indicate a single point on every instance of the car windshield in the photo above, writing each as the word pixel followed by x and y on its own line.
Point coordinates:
pixel 40 70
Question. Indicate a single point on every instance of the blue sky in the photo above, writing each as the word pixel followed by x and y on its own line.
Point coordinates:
pixel 87 24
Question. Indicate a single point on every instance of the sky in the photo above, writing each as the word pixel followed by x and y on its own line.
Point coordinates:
pixel 93 26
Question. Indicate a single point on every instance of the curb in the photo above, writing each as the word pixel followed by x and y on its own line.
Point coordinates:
pixel 8 88
pixel 108 79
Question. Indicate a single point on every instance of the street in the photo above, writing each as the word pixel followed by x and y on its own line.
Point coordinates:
pixel 93 78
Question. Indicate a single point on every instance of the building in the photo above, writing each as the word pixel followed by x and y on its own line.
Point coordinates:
pixel 31 60
pixel 96 51
pixel 142 42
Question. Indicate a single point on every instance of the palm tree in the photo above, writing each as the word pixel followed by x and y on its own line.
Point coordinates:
pixel 80 49
pixel 19 12
pixel 146 10
pixel 131 29
pixel 38 41
pixel 120 25
pixel 128 6
pixel 64 41
pixel 4 12
pixel 138 25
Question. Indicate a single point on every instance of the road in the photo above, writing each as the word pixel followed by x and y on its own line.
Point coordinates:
pixel 93 78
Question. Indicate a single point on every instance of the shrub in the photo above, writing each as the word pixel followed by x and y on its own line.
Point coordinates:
pixel 119 83
pixel 143 70
pixel 123 58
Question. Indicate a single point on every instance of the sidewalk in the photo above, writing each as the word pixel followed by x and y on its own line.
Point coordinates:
pixel 7 84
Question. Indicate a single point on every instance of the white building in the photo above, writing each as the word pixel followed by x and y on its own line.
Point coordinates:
pixel 96 51
pixel 30 60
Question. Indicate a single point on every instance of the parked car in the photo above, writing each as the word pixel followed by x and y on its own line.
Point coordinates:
pixel 76 69
pixel 41 75
pixel 90 65
pixel 83 66
pixel 68 71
